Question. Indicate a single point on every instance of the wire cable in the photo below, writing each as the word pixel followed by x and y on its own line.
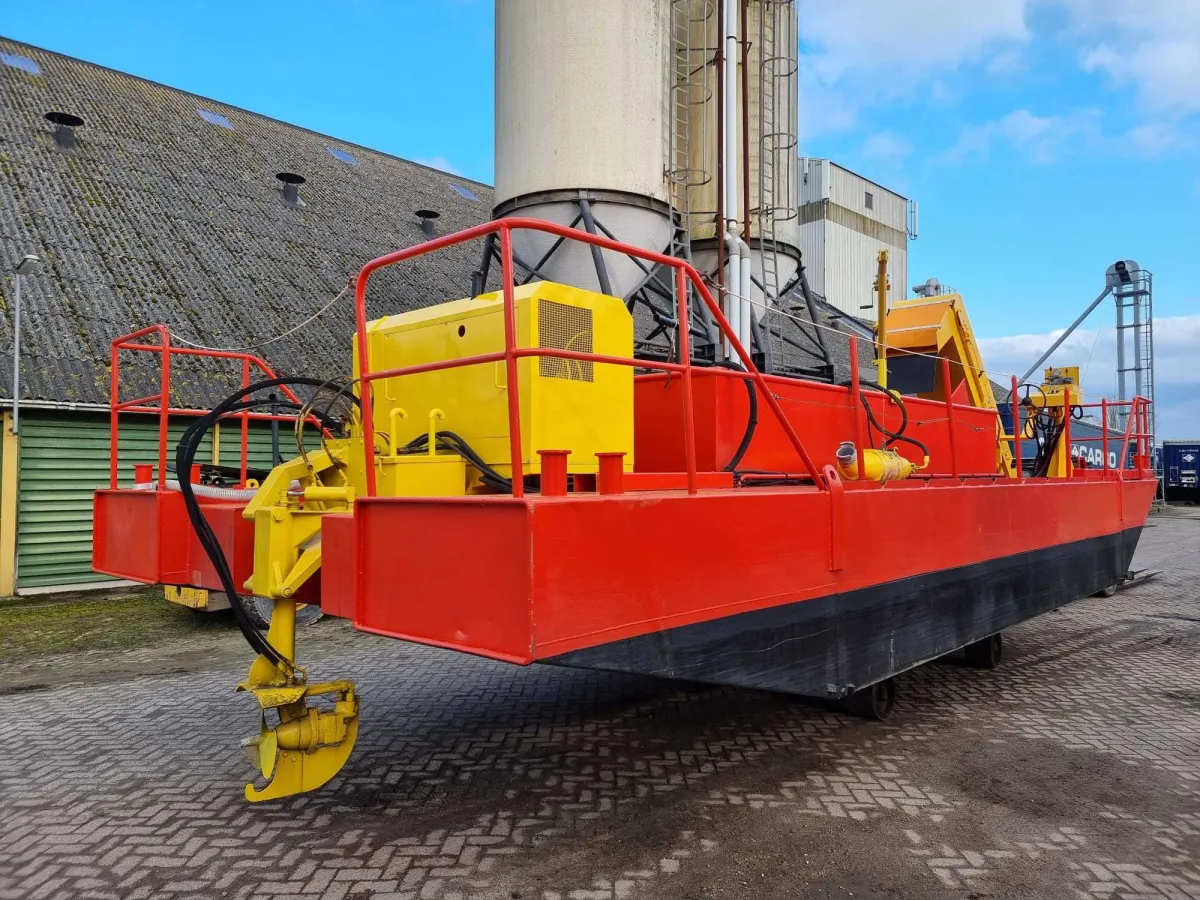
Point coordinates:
pixel 279 337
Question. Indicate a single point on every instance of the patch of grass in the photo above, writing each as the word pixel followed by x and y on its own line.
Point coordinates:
pixel 105 623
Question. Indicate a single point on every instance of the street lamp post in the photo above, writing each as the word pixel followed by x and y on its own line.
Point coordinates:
pixel 25 267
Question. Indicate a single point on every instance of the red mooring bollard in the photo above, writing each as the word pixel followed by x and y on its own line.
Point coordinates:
pixel 611 479
pixel 554 472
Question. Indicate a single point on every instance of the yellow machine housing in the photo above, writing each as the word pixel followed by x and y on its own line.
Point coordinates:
pixel 1057 380
pixel 583 407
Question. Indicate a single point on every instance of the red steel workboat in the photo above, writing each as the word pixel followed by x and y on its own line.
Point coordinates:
pixel 506 478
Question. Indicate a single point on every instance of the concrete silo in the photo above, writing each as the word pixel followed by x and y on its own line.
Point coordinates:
pixel 582 132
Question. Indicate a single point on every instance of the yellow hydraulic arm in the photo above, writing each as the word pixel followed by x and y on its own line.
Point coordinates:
pixel 939 327
pixel 309 743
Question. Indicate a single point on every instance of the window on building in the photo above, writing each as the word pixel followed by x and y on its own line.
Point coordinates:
pixel 21 62
pixel 465 193
pixel 344 156
pixel 214 118
pixel 870 200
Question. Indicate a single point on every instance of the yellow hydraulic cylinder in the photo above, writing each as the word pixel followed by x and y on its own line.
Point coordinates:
pixel 881 465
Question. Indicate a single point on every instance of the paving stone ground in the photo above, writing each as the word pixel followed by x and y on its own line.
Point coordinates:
pixel 1073 771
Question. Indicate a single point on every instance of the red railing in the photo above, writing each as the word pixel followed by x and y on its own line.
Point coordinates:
pixel 684 275
pixel 1139 413
pixel 163 409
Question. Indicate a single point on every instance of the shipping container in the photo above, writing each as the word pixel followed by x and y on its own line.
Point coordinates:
pixel 1180 471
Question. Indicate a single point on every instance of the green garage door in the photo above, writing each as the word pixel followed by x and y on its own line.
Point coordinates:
pixel 64 460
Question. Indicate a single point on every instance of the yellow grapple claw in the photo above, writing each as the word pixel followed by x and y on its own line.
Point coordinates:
pixel 308 746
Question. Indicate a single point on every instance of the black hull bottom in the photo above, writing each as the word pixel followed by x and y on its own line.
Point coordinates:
pixel 832 645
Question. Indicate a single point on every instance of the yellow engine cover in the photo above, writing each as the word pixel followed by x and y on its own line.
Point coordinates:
pixel 583 407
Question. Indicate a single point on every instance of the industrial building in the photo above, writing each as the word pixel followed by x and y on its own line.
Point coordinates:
pixel 845 220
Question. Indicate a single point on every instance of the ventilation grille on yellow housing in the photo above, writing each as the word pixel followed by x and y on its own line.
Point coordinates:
pixel 563 327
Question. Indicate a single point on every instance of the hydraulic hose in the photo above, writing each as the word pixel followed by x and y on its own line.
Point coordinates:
pixel 185 453
pixel 751 418
pixel 891 437
pixel 448 440
pixel 201 490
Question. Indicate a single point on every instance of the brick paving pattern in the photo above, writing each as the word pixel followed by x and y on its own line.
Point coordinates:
pixel 470 775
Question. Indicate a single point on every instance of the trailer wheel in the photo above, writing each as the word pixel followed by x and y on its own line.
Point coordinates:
pixel 873 702
pixel 1109 591
pixel 259 610
pixel 985 654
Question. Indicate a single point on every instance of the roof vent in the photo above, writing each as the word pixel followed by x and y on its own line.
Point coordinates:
pixel 428 221
pixel 64 129
pixel 291 187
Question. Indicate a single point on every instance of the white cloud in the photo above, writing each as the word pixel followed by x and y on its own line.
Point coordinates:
pixel 1165 72
pixel 861 53
pixel 440 162
pixel 1159 138
pixel 886 146
pixel 906 40
pixel 1006 62
pixel 1177 379
pixel 1041 139
pixel 824 110
pixel 864 53
pixel 1152 45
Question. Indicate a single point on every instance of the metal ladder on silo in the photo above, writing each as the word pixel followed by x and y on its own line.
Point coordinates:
pixel 690 66
pixel 775 203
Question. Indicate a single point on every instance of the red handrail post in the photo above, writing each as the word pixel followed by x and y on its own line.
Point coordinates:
pixel 685 355
pixel 1104 430
pixel 364 377
pixel 1016 417
pixel 510 361
pixel 855 401
pixel 1066 436
pixel 1130 416
pixel 1139 440
pixel 164 406
pixel 1147 437
pixel 950 417
pixel 245 464
pixel 113 400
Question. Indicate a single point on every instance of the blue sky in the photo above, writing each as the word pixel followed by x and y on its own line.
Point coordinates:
pixel 1043 138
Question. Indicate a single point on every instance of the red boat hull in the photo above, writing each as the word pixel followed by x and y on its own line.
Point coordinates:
pixel 791 589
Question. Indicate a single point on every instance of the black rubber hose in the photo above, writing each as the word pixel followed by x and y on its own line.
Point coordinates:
pixel 751 418
pixel 897 399
pixel 185 453
pixel 448 440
